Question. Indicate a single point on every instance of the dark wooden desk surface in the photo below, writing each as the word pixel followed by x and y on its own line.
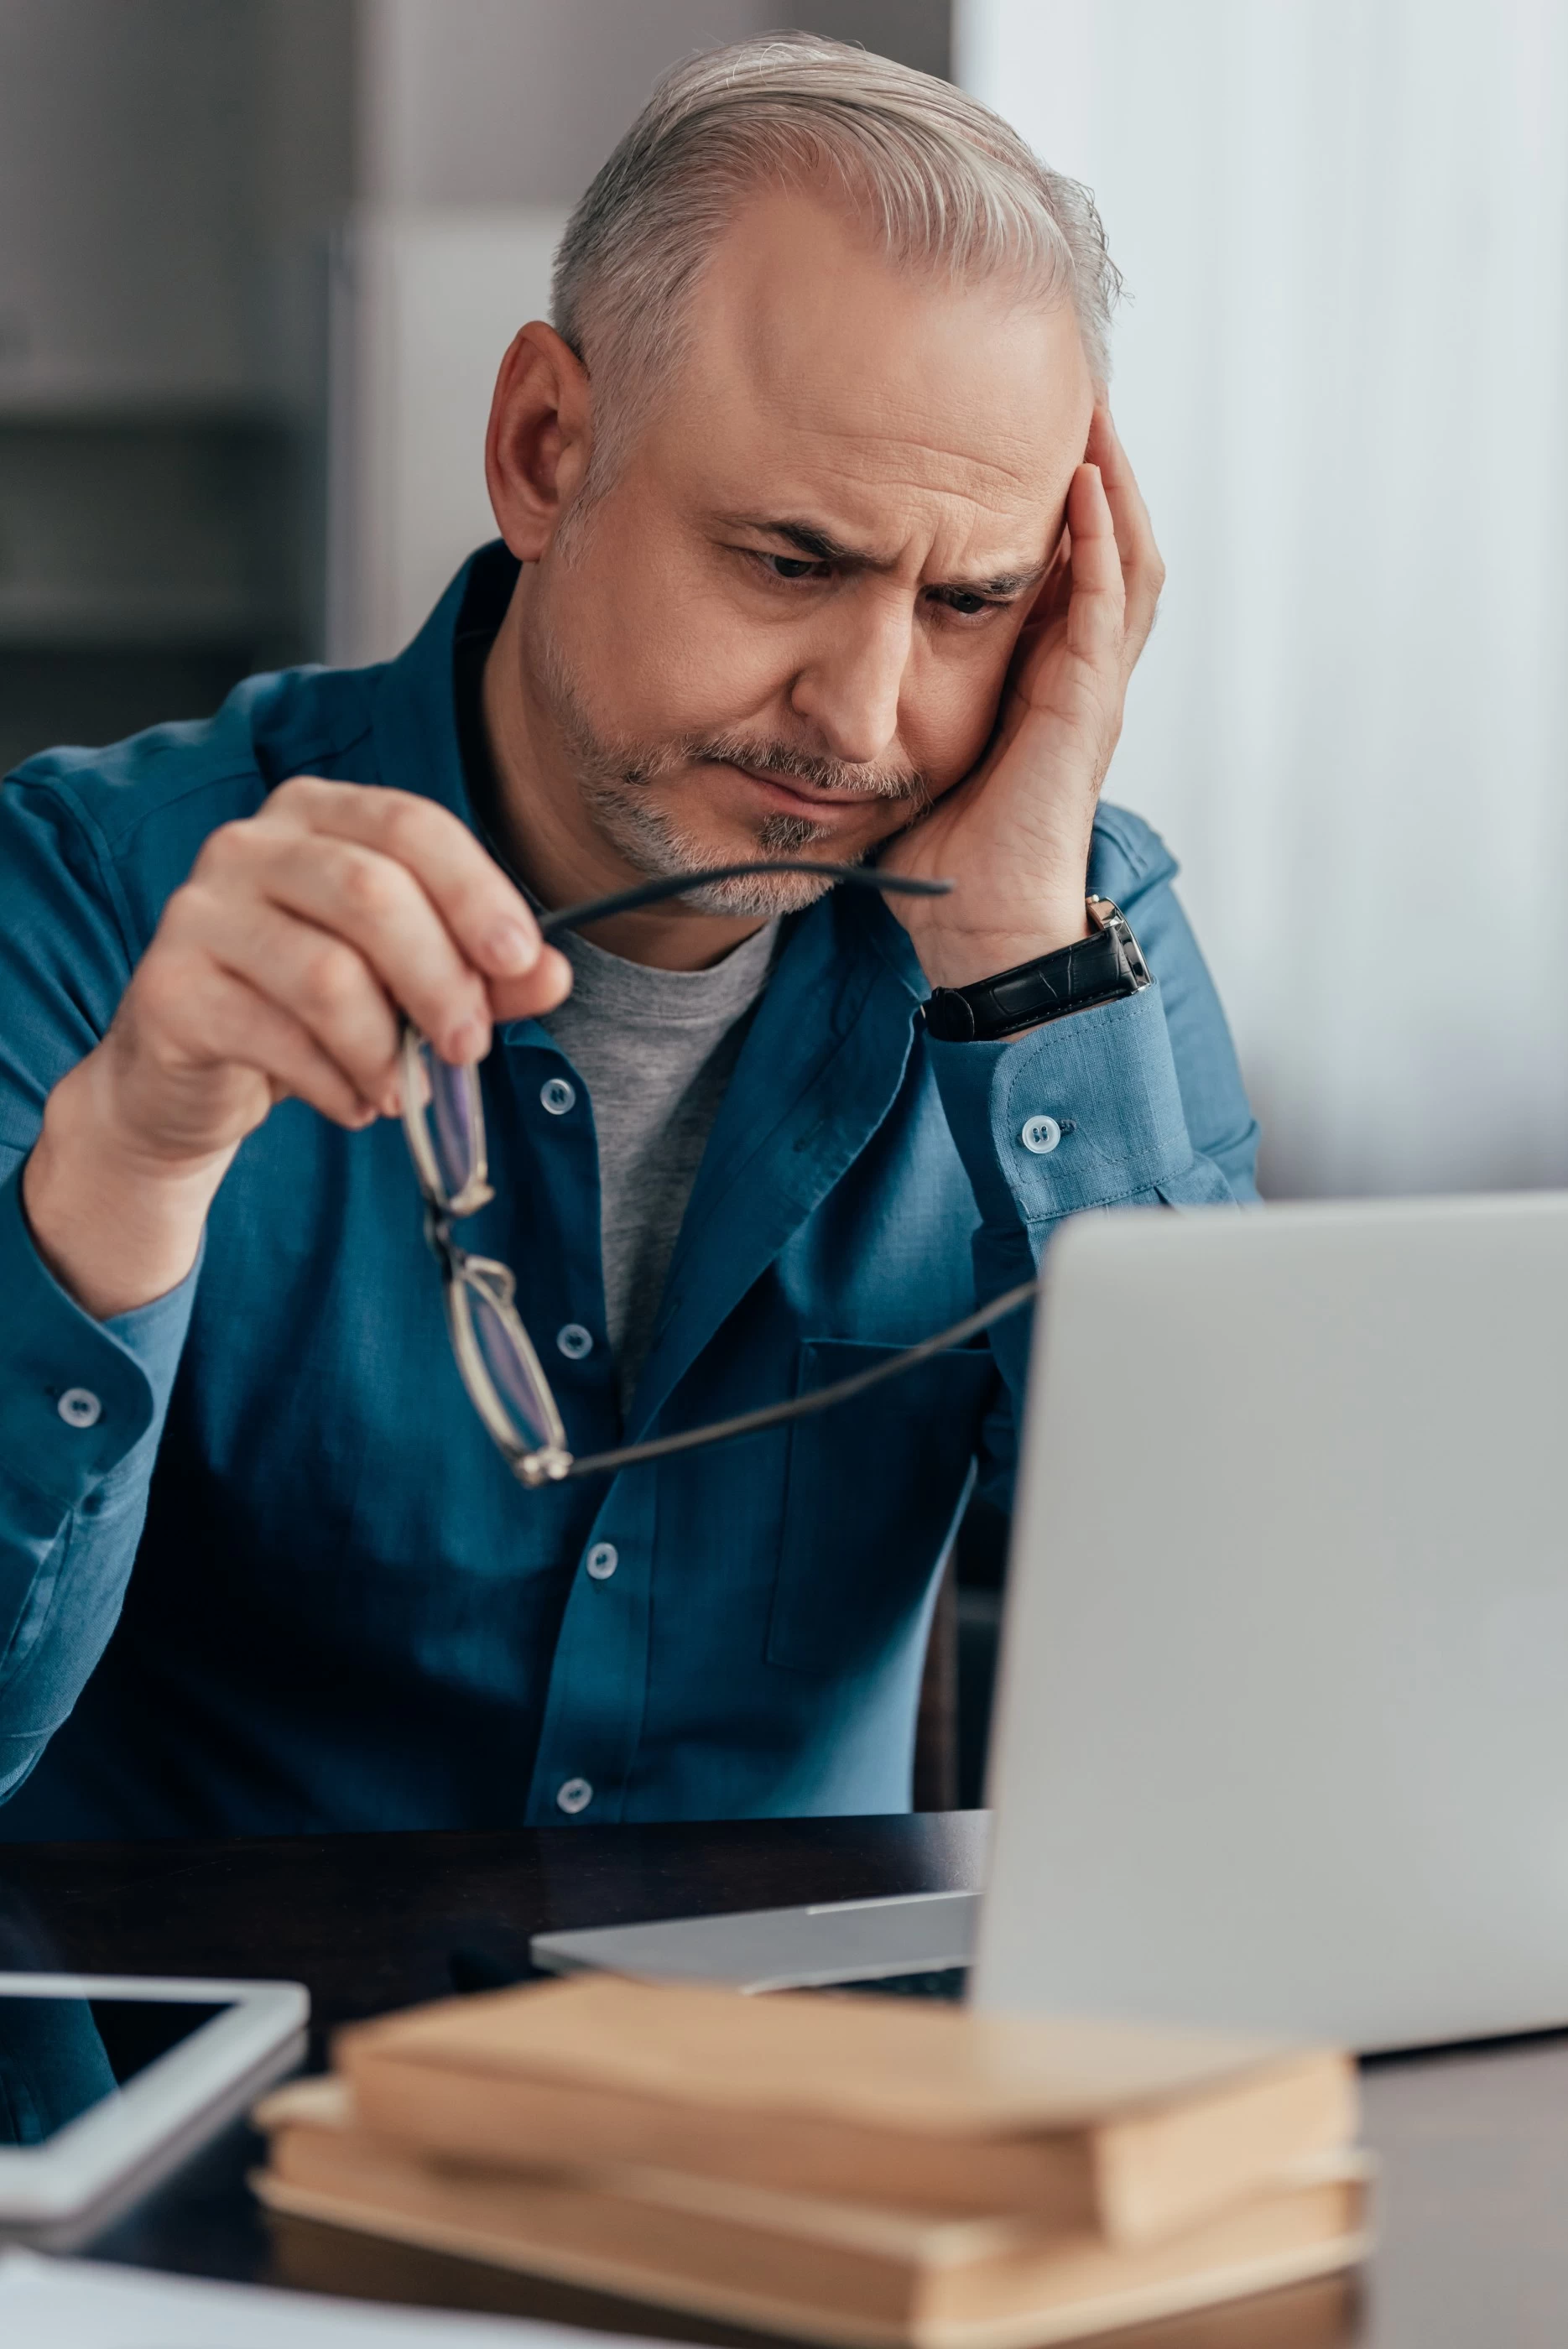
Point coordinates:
pixel 1474 2217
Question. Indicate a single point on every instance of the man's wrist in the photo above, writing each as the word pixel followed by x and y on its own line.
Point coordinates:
pixel 1101 967
pixel 115 1228
pixel 955 957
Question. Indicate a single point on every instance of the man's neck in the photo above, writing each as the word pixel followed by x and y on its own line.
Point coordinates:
pixel 548 835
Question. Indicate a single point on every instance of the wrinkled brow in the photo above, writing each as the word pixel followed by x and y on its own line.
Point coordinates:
pixel 821 546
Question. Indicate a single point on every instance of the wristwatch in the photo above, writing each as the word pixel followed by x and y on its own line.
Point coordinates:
pixel 1097 969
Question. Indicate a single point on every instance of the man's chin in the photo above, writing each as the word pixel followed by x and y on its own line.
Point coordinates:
pixel 653 838
pixel 796 835
pixel 787 837
pixel 761 896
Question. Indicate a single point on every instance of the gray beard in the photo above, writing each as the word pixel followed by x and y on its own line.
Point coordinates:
pixel 653 844
pixel 613 779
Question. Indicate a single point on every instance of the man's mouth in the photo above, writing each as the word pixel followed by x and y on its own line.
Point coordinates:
pixel 794 798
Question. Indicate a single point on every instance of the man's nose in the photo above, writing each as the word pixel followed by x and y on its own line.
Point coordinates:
pixel 850 685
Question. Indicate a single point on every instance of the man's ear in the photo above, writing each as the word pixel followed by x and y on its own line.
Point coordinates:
pixel 540 438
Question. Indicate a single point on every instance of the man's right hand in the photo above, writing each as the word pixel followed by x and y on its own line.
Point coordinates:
pixel 279 968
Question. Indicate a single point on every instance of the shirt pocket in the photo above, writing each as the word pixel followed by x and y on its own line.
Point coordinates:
pixel 873 1487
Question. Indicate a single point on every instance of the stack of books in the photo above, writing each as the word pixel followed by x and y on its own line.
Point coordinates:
pixel 843 2168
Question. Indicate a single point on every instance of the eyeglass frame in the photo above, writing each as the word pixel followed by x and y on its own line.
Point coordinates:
pixel 553 1462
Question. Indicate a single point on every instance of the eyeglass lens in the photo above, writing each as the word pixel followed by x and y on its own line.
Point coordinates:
pixel 450 1129
pixel 450 1099
pixel 511 1374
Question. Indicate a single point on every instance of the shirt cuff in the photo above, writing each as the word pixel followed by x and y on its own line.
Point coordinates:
pixel 75 1395
pixel 1083 1112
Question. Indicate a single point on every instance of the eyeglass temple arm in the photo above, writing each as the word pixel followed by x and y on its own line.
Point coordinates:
pixel 677 884
pixel 751 1423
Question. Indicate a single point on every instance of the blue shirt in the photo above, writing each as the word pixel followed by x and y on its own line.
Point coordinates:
pixel 271 1577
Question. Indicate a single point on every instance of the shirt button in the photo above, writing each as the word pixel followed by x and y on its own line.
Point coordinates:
pixel 1040 1134
pixel 602 1560
pixel 575 1341
pixel 79 1407
pixel 574 1796
pixel 557 1095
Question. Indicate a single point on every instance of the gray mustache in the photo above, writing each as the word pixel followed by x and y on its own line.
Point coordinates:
pixel 823 774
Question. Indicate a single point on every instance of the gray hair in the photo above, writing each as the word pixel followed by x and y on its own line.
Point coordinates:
pixel 943 183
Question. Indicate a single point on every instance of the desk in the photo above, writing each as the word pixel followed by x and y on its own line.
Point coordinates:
pixel 1475 2204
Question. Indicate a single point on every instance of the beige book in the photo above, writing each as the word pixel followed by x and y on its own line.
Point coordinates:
pixel 1135 2131
pixel 794 2263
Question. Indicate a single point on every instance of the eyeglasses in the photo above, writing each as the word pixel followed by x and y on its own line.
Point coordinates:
pixel 444 1122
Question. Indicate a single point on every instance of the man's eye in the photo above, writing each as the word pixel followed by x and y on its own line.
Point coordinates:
pixel 966 606
pixel 795 566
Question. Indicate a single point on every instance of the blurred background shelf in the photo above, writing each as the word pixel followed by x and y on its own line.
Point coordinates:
pixel 135 529
pixel 95 693
pixel 75 622
pixel 141 556
pixel 168 171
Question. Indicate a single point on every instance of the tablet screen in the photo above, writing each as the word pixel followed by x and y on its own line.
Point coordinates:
pixel 61 2056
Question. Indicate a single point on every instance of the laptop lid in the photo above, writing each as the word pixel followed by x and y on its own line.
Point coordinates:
pixel 1283 1726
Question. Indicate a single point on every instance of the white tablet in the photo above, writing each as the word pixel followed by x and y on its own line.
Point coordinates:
pixel 107 2082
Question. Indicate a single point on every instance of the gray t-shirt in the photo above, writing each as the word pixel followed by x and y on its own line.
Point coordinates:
pixel 656 1049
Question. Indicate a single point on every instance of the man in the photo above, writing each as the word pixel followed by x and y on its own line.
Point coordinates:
pixel 817 541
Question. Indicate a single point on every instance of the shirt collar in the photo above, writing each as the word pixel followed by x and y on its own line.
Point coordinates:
pixel 415 718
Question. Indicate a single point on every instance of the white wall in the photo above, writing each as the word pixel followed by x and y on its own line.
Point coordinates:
pixel 1342 376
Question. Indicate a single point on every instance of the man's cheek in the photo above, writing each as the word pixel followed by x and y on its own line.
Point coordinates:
pixel 717 675
pixel 660 683
pixel 946 752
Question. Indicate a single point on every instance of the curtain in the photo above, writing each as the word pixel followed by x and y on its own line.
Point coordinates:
pixel 1343 376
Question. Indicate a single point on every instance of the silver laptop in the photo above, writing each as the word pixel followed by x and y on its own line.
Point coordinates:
pixel 1282 1723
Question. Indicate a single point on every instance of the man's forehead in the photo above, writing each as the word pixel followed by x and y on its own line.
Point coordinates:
pixel 819 380
pixel 817 431
pixel 870 491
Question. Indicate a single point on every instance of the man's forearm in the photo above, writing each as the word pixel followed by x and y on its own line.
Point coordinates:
pixel 81 1411
pixel 115 1231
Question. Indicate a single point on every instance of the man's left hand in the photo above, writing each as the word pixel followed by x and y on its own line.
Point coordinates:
pixel 1014 836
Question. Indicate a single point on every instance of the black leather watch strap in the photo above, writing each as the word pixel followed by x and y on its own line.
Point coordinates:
pixel 1099 969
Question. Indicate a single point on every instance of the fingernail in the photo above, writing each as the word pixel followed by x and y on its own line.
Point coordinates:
pixel 468 1043
pixel 511 948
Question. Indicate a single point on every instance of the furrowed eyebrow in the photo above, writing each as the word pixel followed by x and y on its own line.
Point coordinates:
pixel 820 546
pixel 1006 583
